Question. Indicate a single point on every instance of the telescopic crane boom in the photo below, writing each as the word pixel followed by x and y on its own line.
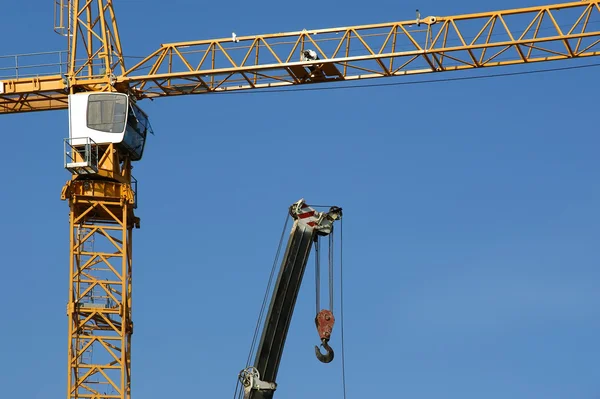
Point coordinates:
pixel 259 381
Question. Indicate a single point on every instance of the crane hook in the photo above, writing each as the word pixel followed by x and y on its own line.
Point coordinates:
pixel 328 356
pixel 324 322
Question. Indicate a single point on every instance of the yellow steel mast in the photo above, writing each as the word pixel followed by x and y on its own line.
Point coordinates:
pixel 102 192
pixel 99 309
pixel 101 203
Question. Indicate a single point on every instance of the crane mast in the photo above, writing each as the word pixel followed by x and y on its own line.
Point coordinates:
pixel 94 51
pixel 102 196
pixel 99 309
pixel 108 131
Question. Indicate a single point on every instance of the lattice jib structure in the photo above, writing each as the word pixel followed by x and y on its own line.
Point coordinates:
pixel 431 44
pixel 428 45
pixel 99 309
pixel 95 48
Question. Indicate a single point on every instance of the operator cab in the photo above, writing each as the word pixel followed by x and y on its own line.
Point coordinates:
pixel 105 118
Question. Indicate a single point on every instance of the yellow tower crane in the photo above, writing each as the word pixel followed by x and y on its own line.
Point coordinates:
pixel 108 130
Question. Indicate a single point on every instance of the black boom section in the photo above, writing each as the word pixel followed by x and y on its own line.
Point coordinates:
pixel 283 301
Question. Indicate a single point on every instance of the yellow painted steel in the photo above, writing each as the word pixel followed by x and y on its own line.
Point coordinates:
pixel 95 51
pixel 102 207
pixel 99 309
pixel 100 294
pixel 433 44
pixel 101 219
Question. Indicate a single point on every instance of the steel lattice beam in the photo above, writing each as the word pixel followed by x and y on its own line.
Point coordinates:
pixel 99 309
pixel 433 44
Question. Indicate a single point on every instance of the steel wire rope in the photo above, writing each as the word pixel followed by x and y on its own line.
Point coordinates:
pixel 263 306
pixel 412 82
pixel 331 269
pixel 354 67
pixel 341 252
pixel 342 307
pixel 317 275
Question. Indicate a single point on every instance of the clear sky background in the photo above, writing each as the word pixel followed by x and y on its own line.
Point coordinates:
pixel 471 230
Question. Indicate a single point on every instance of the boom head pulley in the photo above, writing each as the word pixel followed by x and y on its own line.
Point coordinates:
pixel 322 222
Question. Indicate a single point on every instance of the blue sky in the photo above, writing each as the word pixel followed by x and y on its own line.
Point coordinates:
pixel 471 225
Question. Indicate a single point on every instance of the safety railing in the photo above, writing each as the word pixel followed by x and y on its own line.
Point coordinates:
pixel 134 187
pixel 33 65
pixel 81 156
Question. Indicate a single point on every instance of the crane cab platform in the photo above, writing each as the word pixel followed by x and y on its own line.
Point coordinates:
pixel 97 119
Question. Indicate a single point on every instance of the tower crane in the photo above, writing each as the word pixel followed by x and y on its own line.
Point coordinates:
pixel 108 129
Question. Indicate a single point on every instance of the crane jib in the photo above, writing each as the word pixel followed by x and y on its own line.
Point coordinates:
pixel 431 44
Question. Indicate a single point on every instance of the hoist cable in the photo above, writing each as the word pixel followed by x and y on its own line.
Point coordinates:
pixel 411 82
pixel 238 392
pixel 331 270
pixel 264 304
pixel 342 307
pixel 318 275
pixel 266 297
